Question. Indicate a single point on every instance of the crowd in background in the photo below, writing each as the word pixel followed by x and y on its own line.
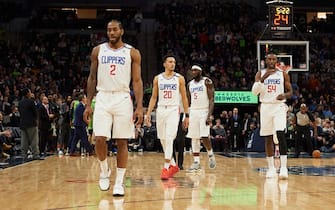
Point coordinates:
pixel 220 35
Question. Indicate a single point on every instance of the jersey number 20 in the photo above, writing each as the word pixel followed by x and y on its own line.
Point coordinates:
pixel 167 94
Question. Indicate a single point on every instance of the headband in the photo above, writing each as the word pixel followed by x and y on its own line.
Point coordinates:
pixel 196 67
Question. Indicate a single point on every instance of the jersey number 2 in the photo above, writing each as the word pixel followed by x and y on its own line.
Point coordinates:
pixel 112 70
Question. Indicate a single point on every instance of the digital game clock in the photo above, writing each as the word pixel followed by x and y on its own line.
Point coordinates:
pixel 280 17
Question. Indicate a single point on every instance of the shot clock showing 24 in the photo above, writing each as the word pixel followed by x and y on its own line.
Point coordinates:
pixel 281 16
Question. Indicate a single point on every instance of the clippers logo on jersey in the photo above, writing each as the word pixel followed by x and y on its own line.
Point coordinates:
pixel 274 86
pixel 113 60
pixel 168 86
pixel 114 69
pixel 272 82
pixel 196 89
pixel 168 90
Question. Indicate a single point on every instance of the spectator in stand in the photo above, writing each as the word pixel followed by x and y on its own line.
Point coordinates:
pixel 80 127
pixel 65 128
pixel 28 125
pixel 235 127
pixel 219 137
pixel 4 134
pixel 44 118
pixel 14 117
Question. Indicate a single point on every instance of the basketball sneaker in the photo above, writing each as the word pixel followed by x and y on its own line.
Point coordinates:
pixel 212 162
pixel 283 185
pixel 271 173
pixel 283 173
pixel 104 181
pixel 194 167
pixel 165 174
pixel 173 170
pixel 60 153
pixel 118 190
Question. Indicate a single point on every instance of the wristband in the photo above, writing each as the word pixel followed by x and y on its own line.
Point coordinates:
pixel 187 115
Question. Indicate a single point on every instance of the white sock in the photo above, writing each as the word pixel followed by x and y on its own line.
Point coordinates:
pixel 173 162
pixel 196 145
pixel 196 159
pixel 166 165
pixel 283 161
pixel 168 149
pixel 271 162
pixel 210 153
pixel 103 166
pixel 119 176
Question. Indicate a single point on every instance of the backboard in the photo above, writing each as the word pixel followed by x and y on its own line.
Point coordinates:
pixel 293 53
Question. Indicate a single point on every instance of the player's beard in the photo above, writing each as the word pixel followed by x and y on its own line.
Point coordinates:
pixel 197 77
pixel 272 66
pixel 114 40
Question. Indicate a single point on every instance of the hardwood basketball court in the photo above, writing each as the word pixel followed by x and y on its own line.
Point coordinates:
pixel 238 182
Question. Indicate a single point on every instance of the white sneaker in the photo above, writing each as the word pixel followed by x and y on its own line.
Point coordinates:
pixel 104 181
pixel 194 167
pixel 283 173
pixel 212 162
pixel 118 203
pixel 104 205
pixel 60 153
pixel 271 173
pixel 118 190
pixel 283 185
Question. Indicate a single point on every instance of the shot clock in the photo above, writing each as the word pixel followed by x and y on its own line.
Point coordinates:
pixel 281 18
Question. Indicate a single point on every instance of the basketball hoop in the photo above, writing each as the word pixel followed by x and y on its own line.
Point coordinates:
pixel 283 68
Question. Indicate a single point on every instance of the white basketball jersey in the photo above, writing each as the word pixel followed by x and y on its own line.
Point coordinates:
pixel 168 90
pixel 114 68
pixel 273 86
pixel 198 92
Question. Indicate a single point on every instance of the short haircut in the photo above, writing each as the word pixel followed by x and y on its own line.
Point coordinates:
pixel 81 96
pixel 25 91
pixel 117 21
pixel 168 56
pixel 271 52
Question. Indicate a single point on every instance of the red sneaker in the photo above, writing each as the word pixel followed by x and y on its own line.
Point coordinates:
pixel 173 170
pixel 165 174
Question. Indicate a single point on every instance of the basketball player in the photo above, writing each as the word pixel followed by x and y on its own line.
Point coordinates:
pixel 201 97
pixel 168 87
pixel 113 65
pixel 273 87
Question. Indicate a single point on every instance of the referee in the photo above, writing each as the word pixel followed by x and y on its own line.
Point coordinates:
pixel 302 122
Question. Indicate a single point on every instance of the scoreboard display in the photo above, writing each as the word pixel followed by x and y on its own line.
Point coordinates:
pixel 281 18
